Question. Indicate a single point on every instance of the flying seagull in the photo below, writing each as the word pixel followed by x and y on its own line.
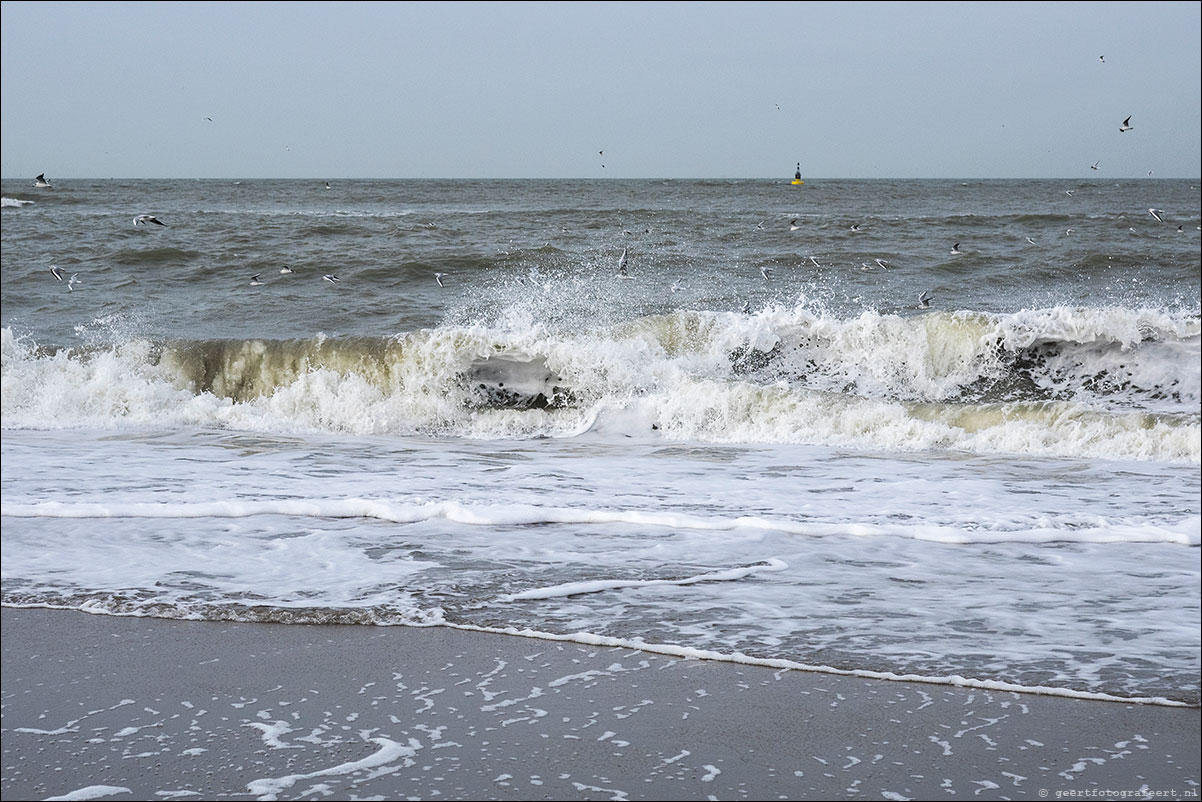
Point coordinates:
pixel 330 277
pixel 1102 59
pixel 1157 214
pixel 766 272
pixel 956 248
pixel 438 277
pixel 882 264
pixel 1068 192
pixel 1094 166
pixel 855 227
pixel 286 269
pixel 54 271
pixel 793 224
pixel 1126 126
pixel 147 219
pixel 924 300
pixel 254 280
pixel 41 181
pixel 1033 241
pixel 71 282
pixel 622 263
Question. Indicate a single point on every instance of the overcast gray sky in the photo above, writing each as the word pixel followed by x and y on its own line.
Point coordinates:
pixel 535 90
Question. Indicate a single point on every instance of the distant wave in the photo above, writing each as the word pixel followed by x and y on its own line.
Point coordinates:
pixel 11 203
pixel 154 256
pixel 1087 382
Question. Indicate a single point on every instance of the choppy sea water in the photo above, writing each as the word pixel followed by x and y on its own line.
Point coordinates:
pixel 752 446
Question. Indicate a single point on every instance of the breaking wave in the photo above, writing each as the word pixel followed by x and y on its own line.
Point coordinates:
pixel 1089 382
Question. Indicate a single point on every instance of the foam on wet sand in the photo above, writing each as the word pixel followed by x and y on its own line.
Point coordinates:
pixel 138 708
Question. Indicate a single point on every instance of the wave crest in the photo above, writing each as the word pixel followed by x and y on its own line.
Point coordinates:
pixel 1067 382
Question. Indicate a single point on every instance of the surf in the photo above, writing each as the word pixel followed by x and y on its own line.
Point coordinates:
pixel 1116 383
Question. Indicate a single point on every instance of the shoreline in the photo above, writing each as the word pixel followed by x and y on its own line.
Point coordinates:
pixel 589 640
pixel 777 663
pixel 194 709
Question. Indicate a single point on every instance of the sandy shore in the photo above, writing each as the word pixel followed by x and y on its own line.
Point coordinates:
pixel 130 708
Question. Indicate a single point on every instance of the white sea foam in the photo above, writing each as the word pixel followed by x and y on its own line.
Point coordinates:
pixel 90 792
pixel 389 752
pixel 677 375
pixel 736 657
pixel 600 585
pixel 942 356
pixel 14 203
pixel 1187 531
pixel 629 543
pixel 723 549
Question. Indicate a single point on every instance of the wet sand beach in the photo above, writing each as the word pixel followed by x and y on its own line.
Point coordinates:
pixel 97 706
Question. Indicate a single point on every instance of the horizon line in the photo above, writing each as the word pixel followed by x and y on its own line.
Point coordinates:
pixel 614 178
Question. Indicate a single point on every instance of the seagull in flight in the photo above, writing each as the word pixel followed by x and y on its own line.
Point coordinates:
pixel 1126 126
pixel 1033 241
pixel 41 181
pixel 622 261
pixel 254 280
pixel 855 227
pixel 439 277
pixel 330 277
pixel 956 248
pixel 1068 192
pixel 793 224
pixel 1102 59
pixel 286 269
pixel 54 271
pixel 924 300
pixel 815 261
pixel 147 219
pixel 882 264
pixel 1094 166
pixel 766 272
pixel 1157 214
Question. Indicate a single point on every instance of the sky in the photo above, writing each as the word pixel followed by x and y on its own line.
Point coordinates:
pixel 600 90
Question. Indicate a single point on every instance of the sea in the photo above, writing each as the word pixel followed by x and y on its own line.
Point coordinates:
pixel 706 418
